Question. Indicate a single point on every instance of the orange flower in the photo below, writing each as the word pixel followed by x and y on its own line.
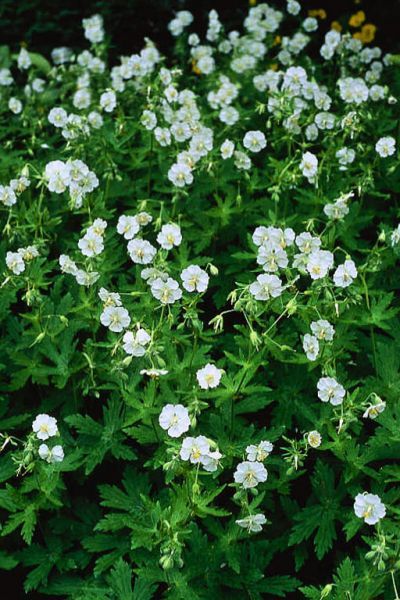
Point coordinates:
pixel 317 12
pixel 336 26
pixel 357 19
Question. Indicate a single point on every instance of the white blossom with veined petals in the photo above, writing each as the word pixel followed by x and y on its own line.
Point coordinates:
pixel 253 523
pixel 194 279
pixel 180 175
pixel 386 146
pixel 51 455
pixel 311 346
pixel 266 287
pixel 134 343
pixel 167 292
pixel 254 141
pixel 128 226
pixel 314 439
pixel 91 245
pixel 174 418
pixel 250 473
pixel 116 318
pixel 345 274
pixel 329 390
pixel 322 330
pixel 15 262
pixel 369 507
pixel 194 449
pixel 45 427
pixel 319 263
pixel 209 376
pixel 259 452
pixel 141 251
pixel 169 236
pixel 109 298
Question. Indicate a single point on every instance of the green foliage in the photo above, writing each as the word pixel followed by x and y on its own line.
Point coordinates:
pixel 200 359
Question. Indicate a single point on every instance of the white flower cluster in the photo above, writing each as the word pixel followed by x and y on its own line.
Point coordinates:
pixel 73 175
pixel 16 261
pixel 9 193
pixel 45 427
pixel 322 331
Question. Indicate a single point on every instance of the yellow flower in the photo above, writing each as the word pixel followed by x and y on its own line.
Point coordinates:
pixel 368 33
pixel 273 66
pixel 277 40
pixel 252 2
pixel 195 68
pixel 317 12
pixel 357 19
pixel 336 26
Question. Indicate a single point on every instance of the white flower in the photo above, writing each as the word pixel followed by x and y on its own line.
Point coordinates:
pixel 272 257
pixel 259 452
pixel 148 120
pixel 254 141
pixel 86 278
pixel 7 195
pixel 211 460
pixel 91 244
pixel 116 318
pixel 67 265
pixel 128 226
pixel 345 274
pixel 227 149
pixel 134 343
pixel 45 427
pixel 24 60
pixel 311 346
pixel 174 418
pixel 58 176
pixel 109 298
pixel 194 279
pixel 209 376
pixel 369 507
pixel 98 227
pixel 319 263
pixel 108 101
pixel 169 236
pixel 386 146
pixel 373 410
pixel 395 236
pixel 314 439
pixel 167 292
pixel 329 390
pixel 266 287
pixel 53 455
pixel 15 105
pixel 309 165
pixel 93 29
pixel 15 262
pixel 180 175
pixel 154 373
pixel 194 449
pixel 253 523
pixel 322 330
pixel 58 117
pixel 141 251
pixel 250 473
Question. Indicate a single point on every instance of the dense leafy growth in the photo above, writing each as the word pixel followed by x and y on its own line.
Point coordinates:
pixel 200 310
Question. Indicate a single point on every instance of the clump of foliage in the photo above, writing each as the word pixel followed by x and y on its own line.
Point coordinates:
pixel 200 310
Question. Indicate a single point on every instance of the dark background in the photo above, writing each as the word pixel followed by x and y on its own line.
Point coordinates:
pixel 44 24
